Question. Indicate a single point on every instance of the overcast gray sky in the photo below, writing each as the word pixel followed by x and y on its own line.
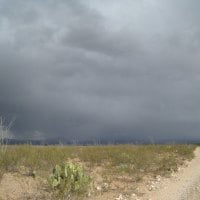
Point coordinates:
pixel 101 68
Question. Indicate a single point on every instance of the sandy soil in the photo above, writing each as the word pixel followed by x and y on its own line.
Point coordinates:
pixel 183 185
pixel 14 186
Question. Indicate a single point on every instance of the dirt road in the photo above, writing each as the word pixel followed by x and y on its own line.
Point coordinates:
pixel 184 185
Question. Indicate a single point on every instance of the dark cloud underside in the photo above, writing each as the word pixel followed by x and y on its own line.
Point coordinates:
pixel 110 69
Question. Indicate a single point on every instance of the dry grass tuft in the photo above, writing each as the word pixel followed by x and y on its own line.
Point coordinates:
pixel 122 158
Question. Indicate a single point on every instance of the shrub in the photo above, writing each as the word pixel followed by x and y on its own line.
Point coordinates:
pixel 69 179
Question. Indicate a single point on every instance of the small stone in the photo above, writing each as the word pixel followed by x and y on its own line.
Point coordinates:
pixel 133 195
pixel 120 197
pixel 151 187
pixel 98 188
pixel 105 186
pixel 89 194
pixel 158 178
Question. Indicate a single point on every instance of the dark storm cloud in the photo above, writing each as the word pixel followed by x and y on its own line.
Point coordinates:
pixel 91 69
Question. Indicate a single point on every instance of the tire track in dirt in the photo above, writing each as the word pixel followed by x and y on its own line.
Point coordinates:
pixel 184 185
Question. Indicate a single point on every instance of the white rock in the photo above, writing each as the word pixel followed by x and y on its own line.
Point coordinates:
pixel 105 185
pixel 158 178
pixel 89 194
pixel 98 188
pixel 133 195
pixel 120 197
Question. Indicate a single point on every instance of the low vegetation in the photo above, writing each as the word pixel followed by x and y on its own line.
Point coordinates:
pixel 123 158
pixel 135 161
pixel 69 179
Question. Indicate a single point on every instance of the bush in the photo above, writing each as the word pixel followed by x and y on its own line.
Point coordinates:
pixel 69 179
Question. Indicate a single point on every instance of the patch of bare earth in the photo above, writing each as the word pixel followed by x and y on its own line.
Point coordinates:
pixel 15 186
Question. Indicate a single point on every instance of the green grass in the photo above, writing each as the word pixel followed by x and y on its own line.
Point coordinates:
pixel 151 159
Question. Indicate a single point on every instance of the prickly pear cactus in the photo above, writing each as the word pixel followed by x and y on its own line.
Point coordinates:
pixel 57 171
pixel 69 178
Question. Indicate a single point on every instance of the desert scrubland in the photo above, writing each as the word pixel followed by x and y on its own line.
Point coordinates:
pixel 98 172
